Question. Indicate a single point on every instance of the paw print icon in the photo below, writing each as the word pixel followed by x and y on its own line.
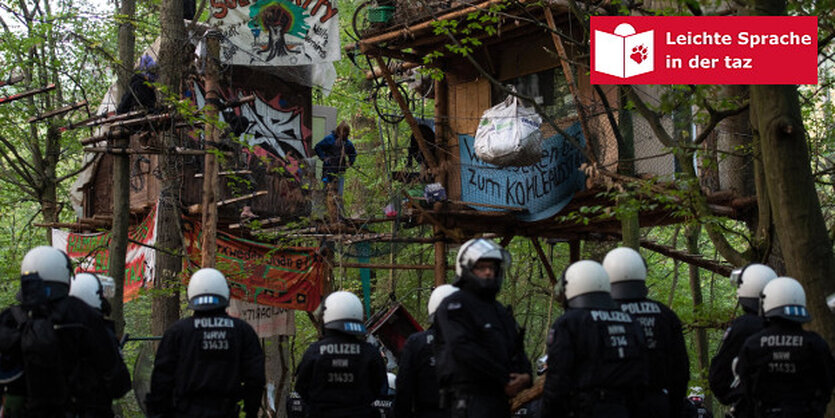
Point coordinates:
pixel 623 53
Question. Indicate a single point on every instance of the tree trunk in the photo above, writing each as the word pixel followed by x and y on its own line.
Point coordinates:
pixel 627 207
pixel 733 134
pixel 49 190
pixel 169 259
pixel 121 173
pixel 700 336
pixel 795 208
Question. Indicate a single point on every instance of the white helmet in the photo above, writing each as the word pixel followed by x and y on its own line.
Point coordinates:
pixel 627 272
pixel 587 285
pixel 343 312
pixel 481 249
pixel 751 281
pixel 50 264
pixel 207 290
pixel 438 295
pixel 784 297
pixel 87 287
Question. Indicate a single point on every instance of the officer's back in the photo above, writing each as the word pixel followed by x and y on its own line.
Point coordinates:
pixel 669 370
pixel 787 372
pixel 207 363
pixel 750 282
pixel 418 393
pixel 597 358
pixel 340 375
pixel 55 382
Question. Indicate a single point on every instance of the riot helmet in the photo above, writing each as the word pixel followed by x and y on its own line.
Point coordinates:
pixel 343 313
pixel 750 281
pixel 50 264
pixel 45 274
pixel 627 272
pixel 207 290
pixel 479 250
pixel 438 295
pixel 784 297
pixel 586 285
pixel 93 290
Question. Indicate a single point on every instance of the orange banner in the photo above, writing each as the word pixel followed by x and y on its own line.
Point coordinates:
pixel 283 277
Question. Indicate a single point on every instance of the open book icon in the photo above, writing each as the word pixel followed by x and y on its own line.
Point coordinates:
pixel 623 53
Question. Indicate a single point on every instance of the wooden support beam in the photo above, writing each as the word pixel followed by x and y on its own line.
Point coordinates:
pixel 428 156
pixel 375 51
pixel 375 72
pixel 11 80
pixel 389 266
pixel 195 208
pixel 148 151
pixel 486 205
pixel 544 260
pixel 567 72
pixel 692 259
pixel 57 112
pixel 261 222
pixel 25 94
pixel 225 173
pixel 211 184
pixel 103 120
pixel 238 102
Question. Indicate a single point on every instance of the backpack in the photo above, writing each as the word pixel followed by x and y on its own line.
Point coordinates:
pixel 43 365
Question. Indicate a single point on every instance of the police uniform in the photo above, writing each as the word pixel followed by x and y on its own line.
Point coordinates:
pixel 341 376
pixel 597 365
pixel 92 368
pixel 786 371
pixel 720 375
pixel 205 365
pixel 479 345
pixel 669 370
pixel 418 394
pixel 295 406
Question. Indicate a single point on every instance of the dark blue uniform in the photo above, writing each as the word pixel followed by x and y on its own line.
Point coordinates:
pixel 90 368
pixel 205 365
pixel 721 375
pixel 418 394
pixel 478 345
pixel 786 372
pixel 295 406
pixel 597 365
pixel 669 370
pixel 341 376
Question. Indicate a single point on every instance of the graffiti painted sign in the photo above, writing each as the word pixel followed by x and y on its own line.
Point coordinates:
pixel 289 278
pixel 90 253
pixel 277 32
pixel 543 188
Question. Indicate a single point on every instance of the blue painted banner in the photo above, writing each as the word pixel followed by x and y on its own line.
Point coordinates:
pixel 543 188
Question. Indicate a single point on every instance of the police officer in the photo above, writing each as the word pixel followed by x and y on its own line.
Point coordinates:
pixel 750 281
pixel 480 351
pixel 669 370
pixel 91 289
pixel 597 356
pixel 786 372
pixel 418 395
pixel 207 363
pixel 385 402
pixel 59 385
pixel 341 375
pixel 533 407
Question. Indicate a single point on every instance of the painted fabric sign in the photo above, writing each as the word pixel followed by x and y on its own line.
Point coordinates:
pixel 277 32
pixel 543 188
pixel 267 321
pixel 289 278
pixel 90 252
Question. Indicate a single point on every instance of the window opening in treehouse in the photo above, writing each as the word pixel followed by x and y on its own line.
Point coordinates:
pixel 548 88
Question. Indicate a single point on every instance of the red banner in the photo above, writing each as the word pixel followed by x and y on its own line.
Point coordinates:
pixel 283 277
pixel 704 50
pixel 91 253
